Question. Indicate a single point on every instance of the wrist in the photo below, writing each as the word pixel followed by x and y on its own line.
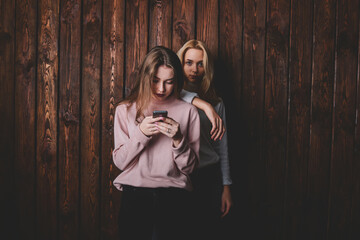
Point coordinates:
pixel 142 130
pixel 227 188
pixel 177 141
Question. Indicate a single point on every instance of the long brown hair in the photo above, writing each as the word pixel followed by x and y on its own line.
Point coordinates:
pixel 141 92
pixel 206 91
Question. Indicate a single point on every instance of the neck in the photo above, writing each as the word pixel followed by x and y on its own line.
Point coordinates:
pixel 192 87
pixel 166 101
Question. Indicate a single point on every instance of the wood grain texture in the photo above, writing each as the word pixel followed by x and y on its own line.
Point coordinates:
pixel 252 110
pixel 207 24
pixel 160 23
pixel 355 211
pixel 298 119
pixel 288 72
pixel 25 115
pixel 69 119
pixel 183 25
pixel 228 82
pixel 320 118
pixel 136 39
pixel 344 125
pixel 7 108
pixel 91 119
pixel 47 124
pixel 275 113
pixel 112 85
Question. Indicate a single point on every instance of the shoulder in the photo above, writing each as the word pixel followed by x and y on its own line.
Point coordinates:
pixel 184 105
pixel 220 105
pixel 187 96
pixel 183 109
pixel 124 107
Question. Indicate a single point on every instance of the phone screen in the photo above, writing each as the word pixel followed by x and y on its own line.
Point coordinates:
pixel 160 113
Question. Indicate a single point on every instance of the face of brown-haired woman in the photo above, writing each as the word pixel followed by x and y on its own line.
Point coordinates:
pixel 193 65
pixel 162 85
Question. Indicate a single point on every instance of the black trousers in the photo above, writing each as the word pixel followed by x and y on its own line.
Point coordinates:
pixel 154 213
pixel 206 198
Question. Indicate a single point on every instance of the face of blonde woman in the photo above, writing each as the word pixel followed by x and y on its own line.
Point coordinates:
pixel 193 65
pixel 162 85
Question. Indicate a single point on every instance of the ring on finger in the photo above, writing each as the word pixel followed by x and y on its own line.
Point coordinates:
pixel 168 130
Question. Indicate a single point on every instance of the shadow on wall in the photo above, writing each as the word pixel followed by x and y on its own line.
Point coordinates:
pixel 236 225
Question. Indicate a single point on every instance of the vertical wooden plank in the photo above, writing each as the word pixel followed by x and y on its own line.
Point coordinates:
pixel 355 211
pixel 90 120
pixel 183 28
pixel 7 108
pixel 275 113
pixel 320 118
pixel 229 82
pixel 69 115
pixel 252 110
pixel 112 86
pixel 136 39
pixel 25 111
pixel 47 98
pixel 160 23
pixel 299 118
pixel 344 120
pixel 207 24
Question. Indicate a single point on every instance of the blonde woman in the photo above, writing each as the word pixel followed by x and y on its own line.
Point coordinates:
pixel 212 178
pixel 156 154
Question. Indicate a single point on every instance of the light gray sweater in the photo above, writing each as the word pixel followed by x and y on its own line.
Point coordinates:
pixel 212 152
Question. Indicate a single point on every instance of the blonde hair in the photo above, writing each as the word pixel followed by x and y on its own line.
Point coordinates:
pixel 206 90
pixel 141 92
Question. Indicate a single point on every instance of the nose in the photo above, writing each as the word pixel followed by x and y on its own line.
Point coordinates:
pixel 161 88
pixel 194 68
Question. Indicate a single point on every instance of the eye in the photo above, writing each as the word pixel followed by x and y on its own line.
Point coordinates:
pixel 155 80
pixel 188 63
pixel 171 82
pixel 200 64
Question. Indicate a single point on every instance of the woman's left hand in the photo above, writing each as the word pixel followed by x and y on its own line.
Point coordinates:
pixel 218 129
pixel 226 201
pixel 170 128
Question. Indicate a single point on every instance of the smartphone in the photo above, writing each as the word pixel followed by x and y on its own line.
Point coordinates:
pixel 160 113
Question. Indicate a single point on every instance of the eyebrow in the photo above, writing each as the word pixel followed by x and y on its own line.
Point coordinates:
pixel 192 60
pixel 172 79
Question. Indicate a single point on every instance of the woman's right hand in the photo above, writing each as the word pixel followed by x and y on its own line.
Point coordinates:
pixel 148 126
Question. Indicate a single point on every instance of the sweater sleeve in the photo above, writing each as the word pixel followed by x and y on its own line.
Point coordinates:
pixel 186 155
pixel 221 147
pixel 126 148
pixel 187 96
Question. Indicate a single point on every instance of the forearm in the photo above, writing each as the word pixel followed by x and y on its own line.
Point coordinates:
pixel 201 104
pixel 127 151
pixel 185 157
pixel 126 154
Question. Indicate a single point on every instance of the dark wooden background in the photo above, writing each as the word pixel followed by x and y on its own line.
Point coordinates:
pixel 287 70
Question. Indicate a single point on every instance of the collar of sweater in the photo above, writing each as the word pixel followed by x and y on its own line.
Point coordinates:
pixel 161 103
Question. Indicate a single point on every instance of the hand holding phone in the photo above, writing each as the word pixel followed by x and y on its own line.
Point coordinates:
pixel 160 113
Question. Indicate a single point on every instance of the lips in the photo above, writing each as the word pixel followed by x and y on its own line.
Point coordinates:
pixel 160 95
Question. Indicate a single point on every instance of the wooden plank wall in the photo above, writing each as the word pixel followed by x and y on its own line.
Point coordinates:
pixel 287 70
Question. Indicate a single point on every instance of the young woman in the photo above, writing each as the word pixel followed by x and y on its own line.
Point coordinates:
pixel 212 178
pixel 155 155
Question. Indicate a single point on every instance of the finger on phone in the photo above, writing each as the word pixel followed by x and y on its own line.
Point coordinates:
pixel 169 120
pixel 157 119
pixel 161 128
